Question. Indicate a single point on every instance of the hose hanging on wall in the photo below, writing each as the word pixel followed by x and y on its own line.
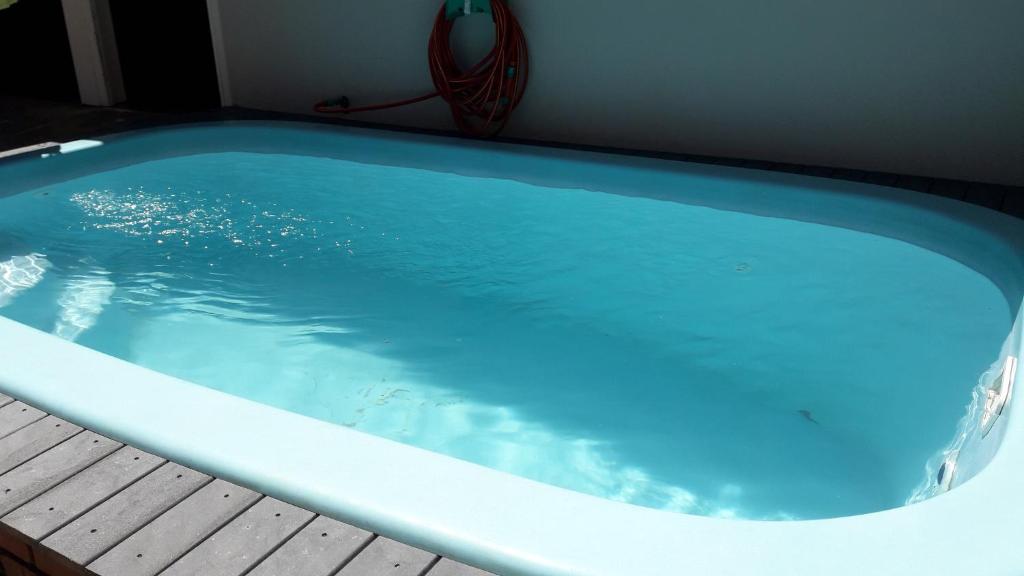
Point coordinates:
pixel 481 98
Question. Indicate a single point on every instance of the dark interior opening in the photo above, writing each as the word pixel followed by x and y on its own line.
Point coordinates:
pixel 166 54
pixel 36 54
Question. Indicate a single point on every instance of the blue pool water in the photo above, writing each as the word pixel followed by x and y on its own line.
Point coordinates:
pixel 649 351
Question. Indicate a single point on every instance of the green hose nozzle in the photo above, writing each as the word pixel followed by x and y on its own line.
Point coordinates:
pixel 456 8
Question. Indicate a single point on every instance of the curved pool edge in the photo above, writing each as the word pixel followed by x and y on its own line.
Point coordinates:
pixel 463 510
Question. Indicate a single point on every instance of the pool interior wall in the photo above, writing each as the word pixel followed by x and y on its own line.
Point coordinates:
pixel 974 237
pixel 568 336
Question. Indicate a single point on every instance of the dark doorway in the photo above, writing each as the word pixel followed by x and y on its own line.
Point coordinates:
pixel 36 54
pixel 166 54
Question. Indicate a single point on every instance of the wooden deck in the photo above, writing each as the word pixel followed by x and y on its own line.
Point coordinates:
pixel 73 502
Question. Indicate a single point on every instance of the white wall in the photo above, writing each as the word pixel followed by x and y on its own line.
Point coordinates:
pixel 928 87
pixel 94 51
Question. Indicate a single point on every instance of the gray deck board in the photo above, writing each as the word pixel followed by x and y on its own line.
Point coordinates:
pixel 164 540
pixel 319 549
pixel 17 415
pixel 73 502
pixel 449 567
pixel 51 468
pixel 386 557
pixel 95 532
pixel 244 542
pixel 33 440
pixel 63 503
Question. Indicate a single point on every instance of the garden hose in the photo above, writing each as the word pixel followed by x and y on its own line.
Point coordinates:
pixel 481 98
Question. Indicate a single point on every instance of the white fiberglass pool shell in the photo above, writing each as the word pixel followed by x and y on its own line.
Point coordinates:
pixel 509 524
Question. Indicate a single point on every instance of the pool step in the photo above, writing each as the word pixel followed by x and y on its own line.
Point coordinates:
pixel 75 503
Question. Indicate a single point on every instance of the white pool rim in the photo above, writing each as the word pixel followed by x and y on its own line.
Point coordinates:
pixel 505 523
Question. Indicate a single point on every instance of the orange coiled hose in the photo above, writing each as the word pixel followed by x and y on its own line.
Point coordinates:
pixel 481 98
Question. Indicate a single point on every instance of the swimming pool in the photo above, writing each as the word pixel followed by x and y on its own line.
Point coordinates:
pixel 648 350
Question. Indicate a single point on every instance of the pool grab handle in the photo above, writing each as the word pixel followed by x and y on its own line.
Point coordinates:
pixel 947 471
pixel 998 396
